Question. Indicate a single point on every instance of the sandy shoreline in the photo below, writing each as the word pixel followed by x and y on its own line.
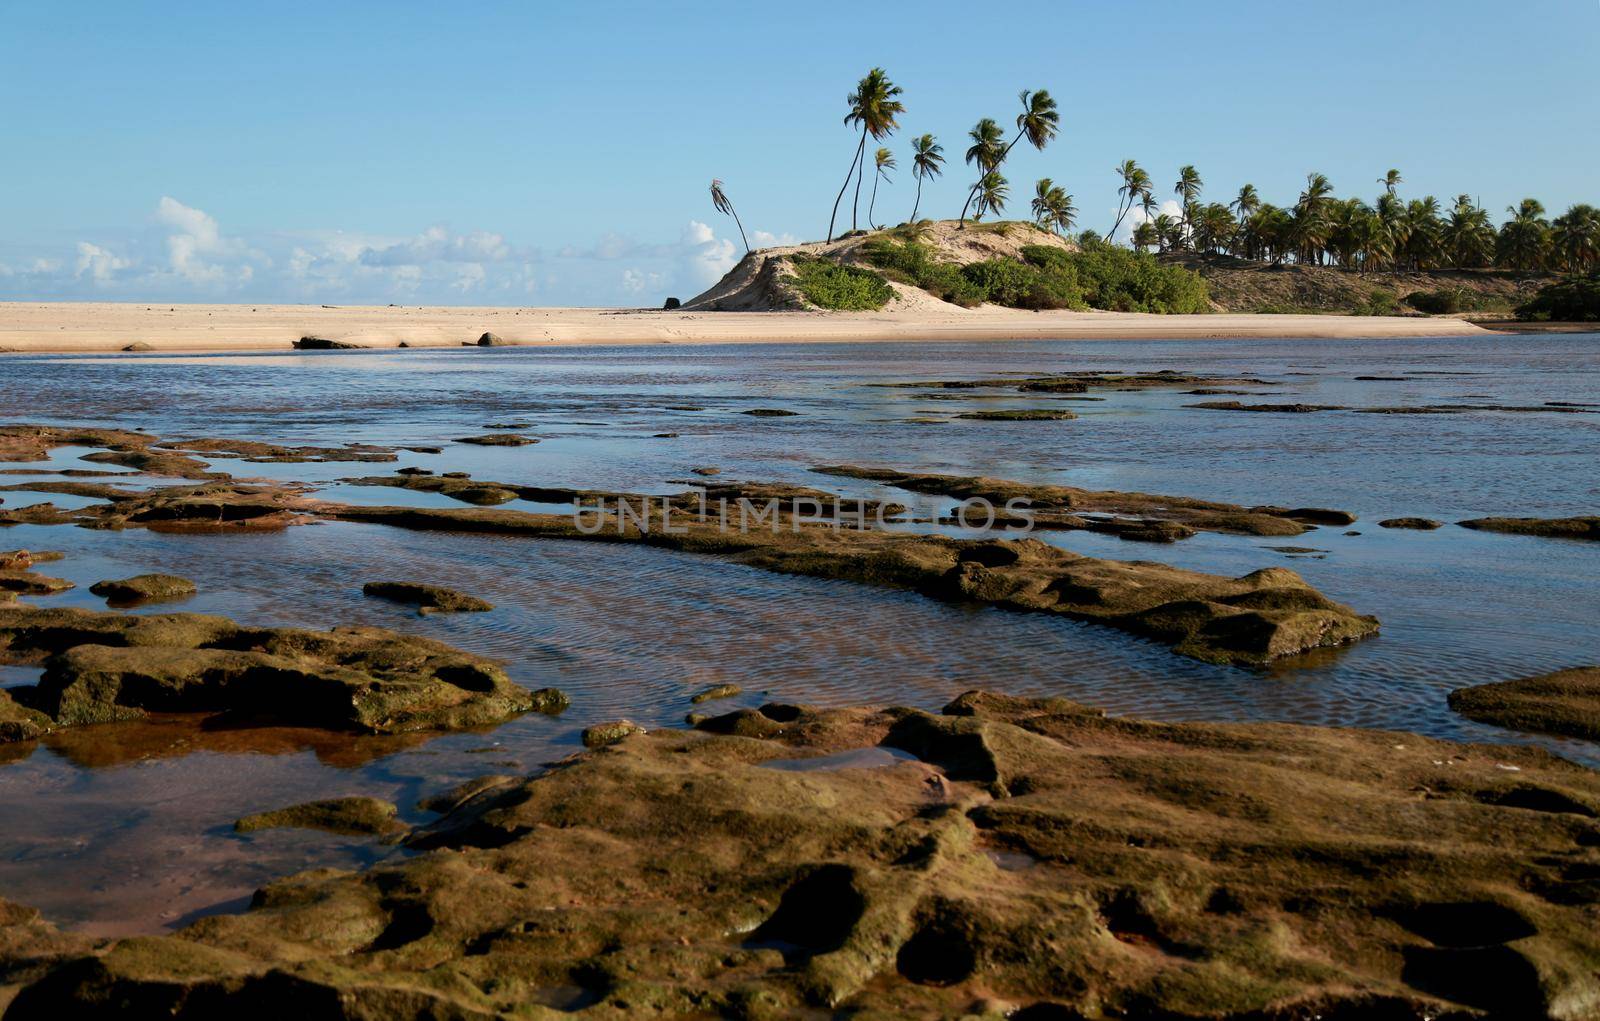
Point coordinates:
pixel 92 327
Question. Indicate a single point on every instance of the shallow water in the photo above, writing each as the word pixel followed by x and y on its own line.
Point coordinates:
pixel 128 827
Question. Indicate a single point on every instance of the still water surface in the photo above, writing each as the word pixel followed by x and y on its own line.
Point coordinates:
pixel 128 827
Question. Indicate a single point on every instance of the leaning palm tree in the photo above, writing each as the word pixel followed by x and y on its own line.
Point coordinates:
pixel 1063 214
pixel 883 161
pixel 1390 180
pixel 927 160
pixel 1040 206
pixel 985 152
pixel 993 190
pixel 1038 123
pixel 1135 185
pixel 874 107
pixel 1188 189
pixel 1145 236
pixel 1246 204
pixel 719 199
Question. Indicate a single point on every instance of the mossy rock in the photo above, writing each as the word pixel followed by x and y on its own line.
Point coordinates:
pixel 144 588
pixel 349 816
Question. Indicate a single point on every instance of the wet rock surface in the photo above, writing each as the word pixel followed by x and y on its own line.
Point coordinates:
pixel 350 816
pixel 1023 415
pixel 1566 702
pixel 1029 855
pixel 427 598
pixel 107 667
pixel 1551 528
pixel 144 588
pixel 1418 524
pixel 499 439
pixel 1072 382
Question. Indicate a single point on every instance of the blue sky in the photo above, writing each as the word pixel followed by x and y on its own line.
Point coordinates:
pixel 524 153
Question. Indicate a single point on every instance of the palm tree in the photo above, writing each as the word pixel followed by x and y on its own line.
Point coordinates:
pixel 1308 217
pixel 1052 206
pixel 1247 202
pixel 1524 241
pixel 993 190
pixel 927 160
pixel 1577 238
pixel 873 106
pixel 1038 123
pixel 883 161
pixel 1468 236
pixel 1423 230
pixel 1040 205
pixel 1145 235
pixel 1389 181
pixel 1187 189
pixel 985 152
pixel 1135 185
pixel 719 199
pixel 1166 231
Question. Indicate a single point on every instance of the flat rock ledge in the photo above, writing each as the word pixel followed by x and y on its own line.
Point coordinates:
pixel 144 588
pixel 426 598
pixel 108 667
pixel 1010 858
pixel 1550 528
pixel 1566 703
pixel 354 816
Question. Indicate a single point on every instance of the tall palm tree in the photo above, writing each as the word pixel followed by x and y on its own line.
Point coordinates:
pixel 1187 189
pixel 927 160
pixel 1040 206
pixel 1135 185
pixel 1524 241
pixel 1468 236
pixel 1247 203
pixel 1145 236
pixel 985 152
pixel 1038 123
pixel 1577 238
pixel 1166 231
pixel 1390 180
pixel 1052 206
pixel 1309 213
pixel 883 161
pixel 993 190
pixel 719 199
pixel 874 107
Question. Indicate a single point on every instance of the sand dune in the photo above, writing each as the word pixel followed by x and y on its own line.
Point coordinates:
pixel 88 327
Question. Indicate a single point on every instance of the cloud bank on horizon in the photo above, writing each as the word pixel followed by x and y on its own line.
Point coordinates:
pixel 182 254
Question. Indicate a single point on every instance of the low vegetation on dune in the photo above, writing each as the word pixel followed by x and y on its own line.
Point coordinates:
pixel 838 287
pixel 1573 300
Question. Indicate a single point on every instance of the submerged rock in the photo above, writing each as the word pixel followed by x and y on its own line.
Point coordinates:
pixel 350 816
pixel 720 691
pixel 19 723
pixel 770 413
pixel 1032 855
pixel 1566 702
pixel 1026 415
pixel 427 598
pixel 26 582
pixel 1554 528
pixel 1420 524
pixel 144 588
pixel 498 440
pixel 104 667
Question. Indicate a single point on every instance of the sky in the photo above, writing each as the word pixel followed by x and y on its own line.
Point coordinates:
pixel 489 153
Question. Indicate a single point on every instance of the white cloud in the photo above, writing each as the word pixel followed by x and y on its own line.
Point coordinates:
pixel 98 264
pixel 437 244
pixel 706 257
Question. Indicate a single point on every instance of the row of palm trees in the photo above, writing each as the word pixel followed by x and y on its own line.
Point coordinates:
pixel 1390 233
pixel 875 108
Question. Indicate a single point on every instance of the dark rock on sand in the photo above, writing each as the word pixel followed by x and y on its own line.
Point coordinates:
pixel 102 667
pixel 1566 702
pixel 1034 859
pixel 427 598
pixel 323 344
pixel 720 691
pixel 138 345
pixel 671 303
pixel 498 440
pixel 1026 415
pixel 349 816
pixel 1553 528
pixel 494 340
pixel 602 734
pixel 1420 524
pixel 144 588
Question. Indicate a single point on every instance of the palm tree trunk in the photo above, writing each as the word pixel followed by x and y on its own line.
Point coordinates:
pixel 741 228
pixel 918 202
pixel 873 203
pixel 860 149
pixel 861 169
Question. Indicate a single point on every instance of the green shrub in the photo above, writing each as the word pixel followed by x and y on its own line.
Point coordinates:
pixel 1122 280
pixel 1575 299
pixel 829 285
pixel 1441 302
pixel 1379 303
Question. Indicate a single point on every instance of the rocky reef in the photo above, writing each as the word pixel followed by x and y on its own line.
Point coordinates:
pixel 1013 858
pixel 106 667
pixel 1566 702
pixel 1551 528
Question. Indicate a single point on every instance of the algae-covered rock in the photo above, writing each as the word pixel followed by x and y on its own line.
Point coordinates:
pixel 19 723
pixel 499 440
pixel 427 598
pixel 25 582
pixel 1025 415
pixel 355 815
pixel 1553 528
pixel 144 588
pixel 770 413
pixel 720 691
pixel 1030 856
pixel 103 667
pixel 1566 702
pixel 602 734
pixel 1418 524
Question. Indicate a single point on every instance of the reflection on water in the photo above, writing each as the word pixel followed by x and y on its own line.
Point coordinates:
pixel 127 827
